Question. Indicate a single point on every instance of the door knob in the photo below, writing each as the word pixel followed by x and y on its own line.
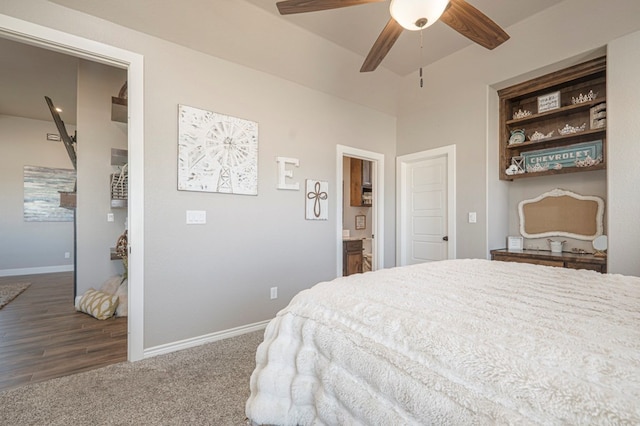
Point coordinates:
pixel 445 238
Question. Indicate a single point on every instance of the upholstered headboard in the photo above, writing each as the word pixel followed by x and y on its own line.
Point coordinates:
pixel 562 213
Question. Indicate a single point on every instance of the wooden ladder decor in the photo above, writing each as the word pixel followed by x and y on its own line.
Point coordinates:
pixel 67 199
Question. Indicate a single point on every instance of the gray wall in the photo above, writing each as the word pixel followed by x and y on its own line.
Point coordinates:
pixel 97 134
pixel 29 247
pixel 458 106
pixel 200 279
pixel 623 105
pixel 208 278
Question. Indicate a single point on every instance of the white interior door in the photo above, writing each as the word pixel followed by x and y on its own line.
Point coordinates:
pixel 426 208
pixel 427 211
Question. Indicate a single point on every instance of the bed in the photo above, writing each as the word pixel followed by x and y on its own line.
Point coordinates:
pixel 455 342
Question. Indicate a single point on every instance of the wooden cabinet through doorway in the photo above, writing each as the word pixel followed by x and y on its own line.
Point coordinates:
pixel 361 187
pixel 351 257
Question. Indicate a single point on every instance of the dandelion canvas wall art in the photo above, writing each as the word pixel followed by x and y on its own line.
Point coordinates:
pixel 216 152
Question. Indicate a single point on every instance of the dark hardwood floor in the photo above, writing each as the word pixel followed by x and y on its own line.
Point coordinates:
pixel 43 337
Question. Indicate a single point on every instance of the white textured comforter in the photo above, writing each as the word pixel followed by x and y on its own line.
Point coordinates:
pixel 454 343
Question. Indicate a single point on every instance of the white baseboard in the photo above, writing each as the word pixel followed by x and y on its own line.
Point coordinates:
pixel 207 338
pixel 35 271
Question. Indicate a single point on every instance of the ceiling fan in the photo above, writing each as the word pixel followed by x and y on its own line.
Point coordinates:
pixel 412 15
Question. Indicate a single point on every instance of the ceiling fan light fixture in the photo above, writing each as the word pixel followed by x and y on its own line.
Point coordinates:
pixel 415 15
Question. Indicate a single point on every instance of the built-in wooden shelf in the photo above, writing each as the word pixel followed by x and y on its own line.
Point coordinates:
pixel 570 83
pixel 119 111
pixel 119 106
pixel 585 106
pixel 68 200
pixel 562 139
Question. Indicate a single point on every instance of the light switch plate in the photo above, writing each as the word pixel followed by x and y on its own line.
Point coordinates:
pixel 473 217
pixel 196 217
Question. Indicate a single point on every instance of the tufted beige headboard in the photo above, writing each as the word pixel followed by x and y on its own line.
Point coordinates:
pixel 562 213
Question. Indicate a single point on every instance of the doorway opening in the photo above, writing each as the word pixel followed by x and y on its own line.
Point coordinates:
pixel 360 210
pixel 54 40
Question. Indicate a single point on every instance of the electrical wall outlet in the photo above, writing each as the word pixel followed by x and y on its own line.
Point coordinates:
pixel 274 293
pixel 473 217
pixel 67 255
pixel 110 217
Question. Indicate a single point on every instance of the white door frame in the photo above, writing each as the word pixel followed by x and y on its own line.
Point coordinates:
pixel 402 163
pixel 58 41
pixel 377 244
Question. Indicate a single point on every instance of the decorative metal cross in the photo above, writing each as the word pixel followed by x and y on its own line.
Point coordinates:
pixel 317 196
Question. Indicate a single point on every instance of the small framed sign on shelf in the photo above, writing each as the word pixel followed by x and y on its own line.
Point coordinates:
pixel 548 102
pixel 515 243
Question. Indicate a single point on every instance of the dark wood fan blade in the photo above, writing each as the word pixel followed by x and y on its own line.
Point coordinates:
pixel 383 44
pixel 473 24
pixel 300 6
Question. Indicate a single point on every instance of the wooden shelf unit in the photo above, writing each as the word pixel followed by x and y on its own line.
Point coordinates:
pixel 68 200
pixel 570 82
pixel 119 111
pixel 120 106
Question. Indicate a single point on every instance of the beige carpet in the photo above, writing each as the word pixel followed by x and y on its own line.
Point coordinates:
pixel 205 385
pixel 8 292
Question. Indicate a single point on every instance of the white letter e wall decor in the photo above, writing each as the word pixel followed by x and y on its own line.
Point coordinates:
pixel 283 173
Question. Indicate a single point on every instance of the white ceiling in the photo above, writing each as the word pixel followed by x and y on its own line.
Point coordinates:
pixel 356 28
pixel 28 73
pixel 197 23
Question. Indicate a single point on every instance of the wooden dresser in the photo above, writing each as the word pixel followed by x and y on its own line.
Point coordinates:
pixel 544 257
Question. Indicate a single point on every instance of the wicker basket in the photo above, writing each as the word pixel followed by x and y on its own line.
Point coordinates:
pixel 120 184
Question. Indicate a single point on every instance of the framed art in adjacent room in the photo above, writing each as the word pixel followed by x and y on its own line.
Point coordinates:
pixel 42 188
